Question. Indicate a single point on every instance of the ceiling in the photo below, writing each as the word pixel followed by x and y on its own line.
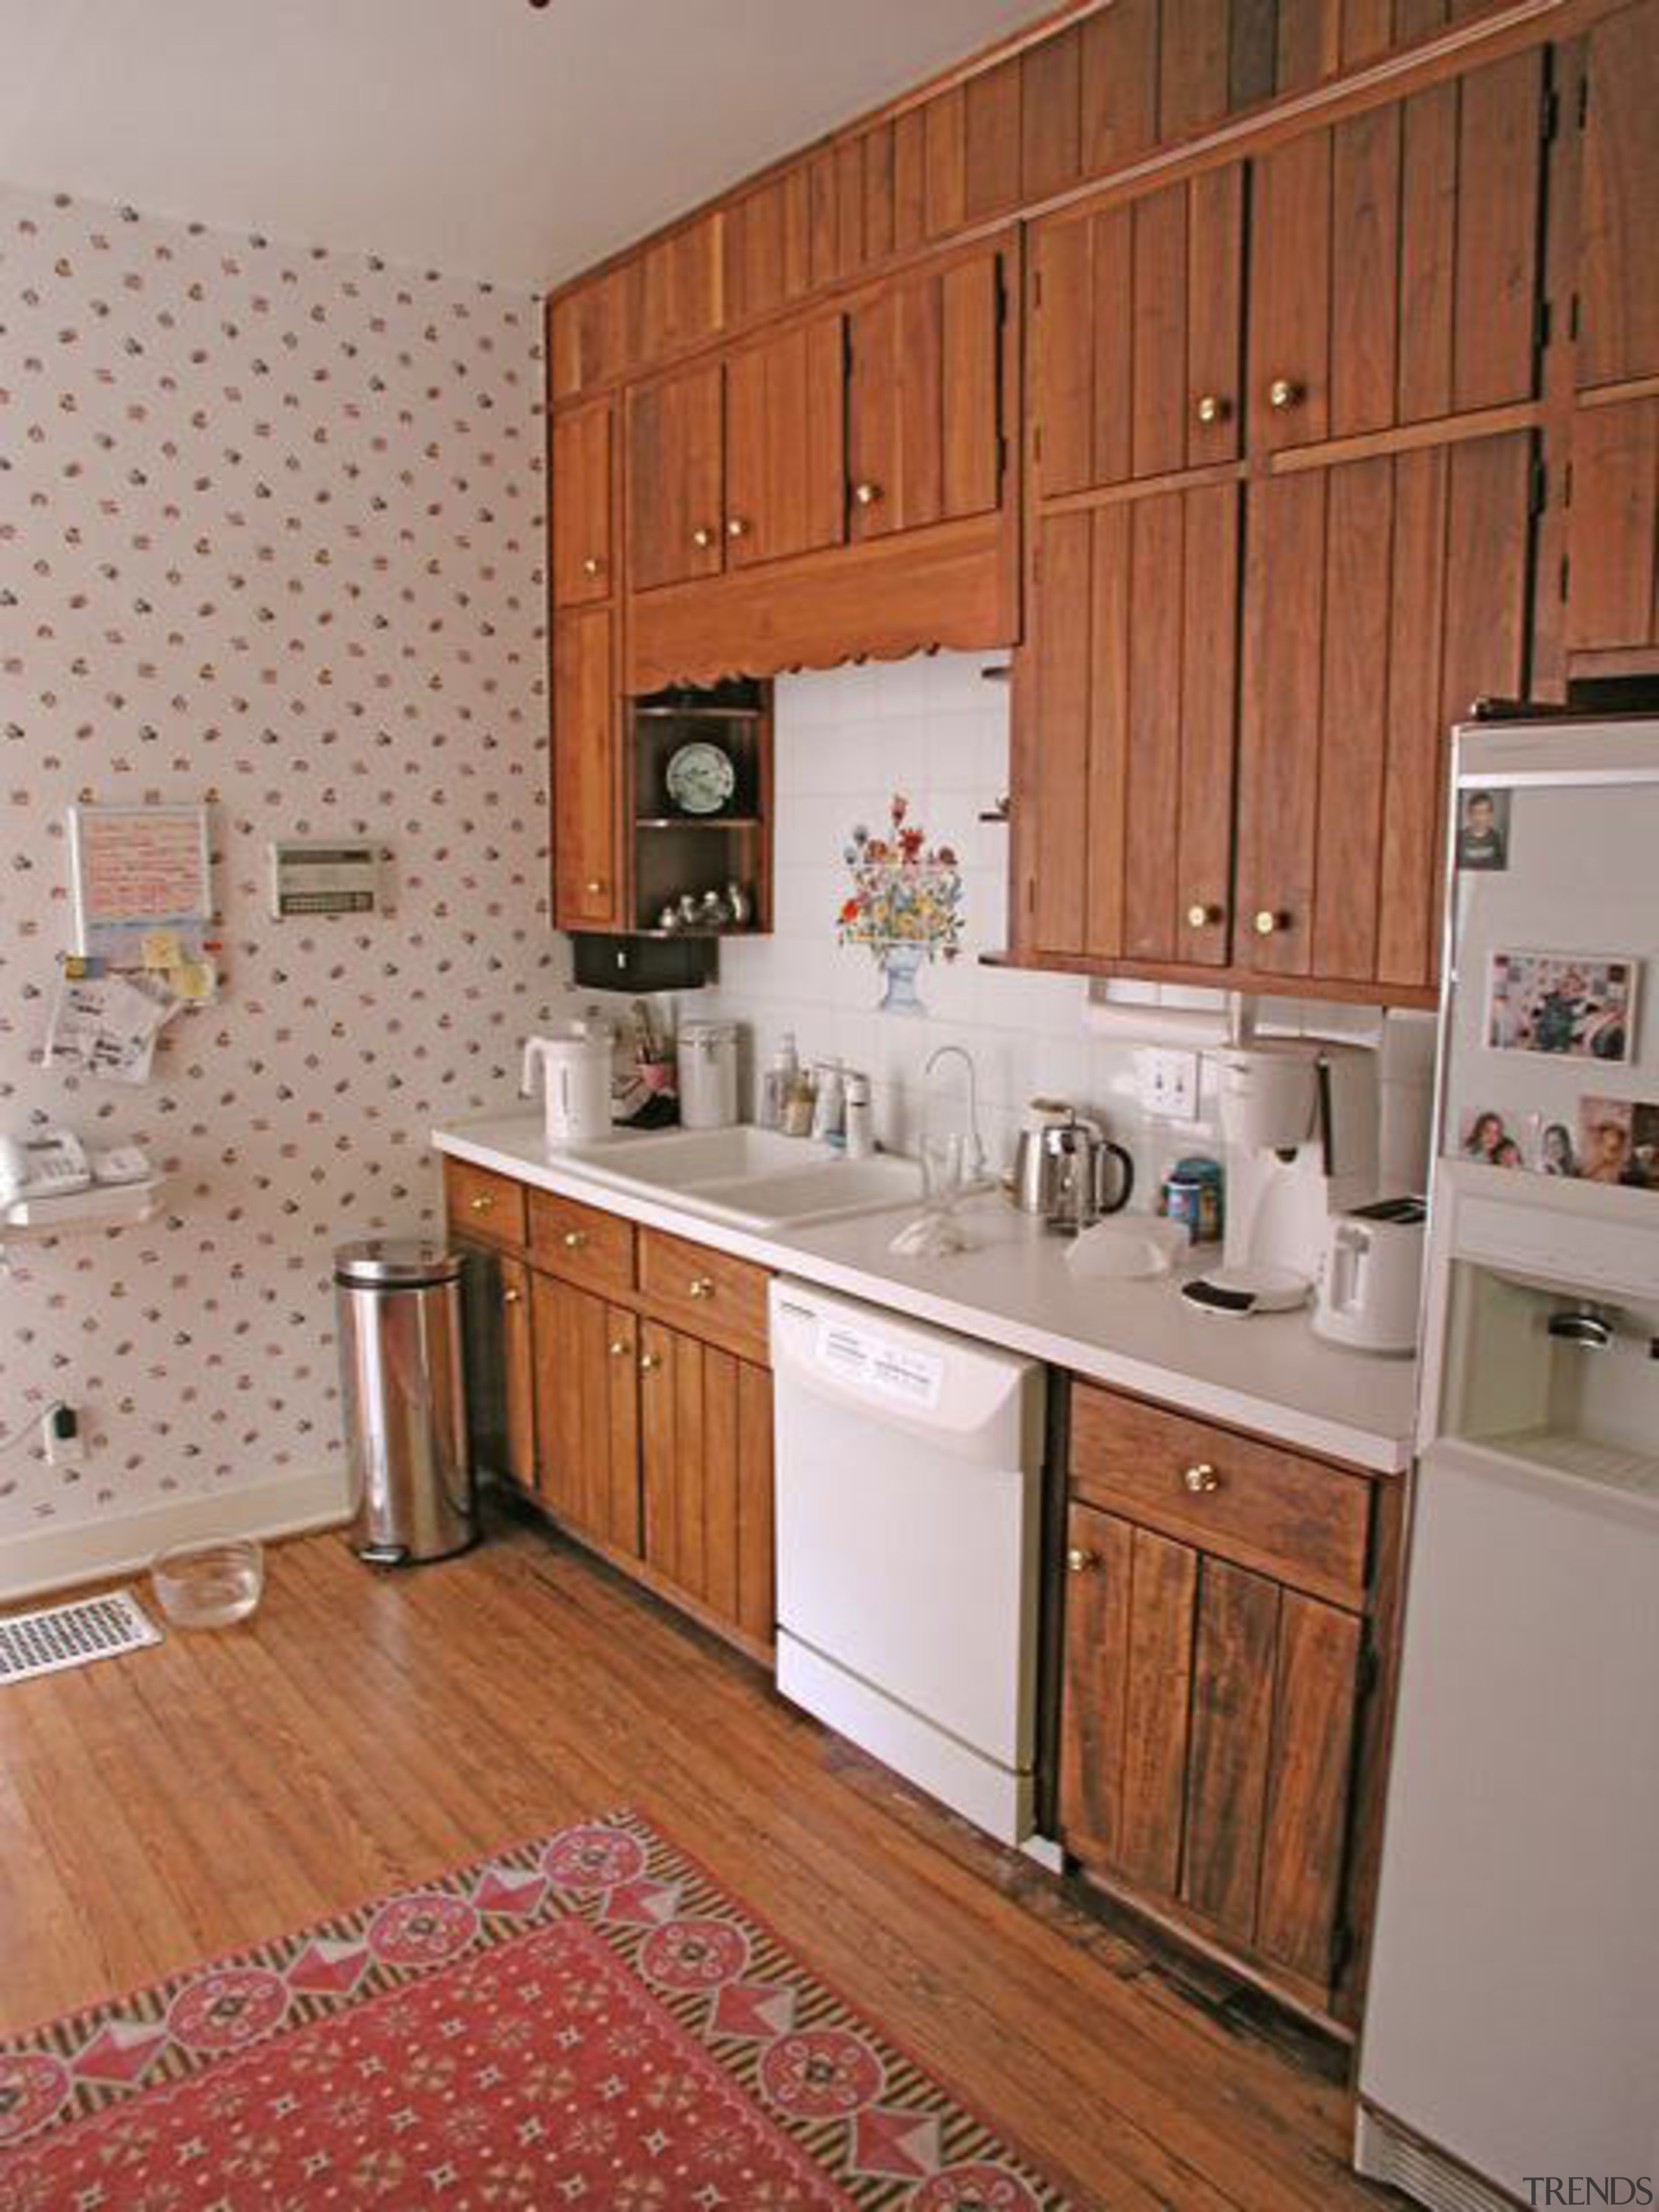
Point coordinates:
pixel 483 137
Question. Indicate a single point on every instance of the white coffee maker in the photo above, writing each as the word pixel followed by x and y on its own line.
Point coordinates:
pixel 1300 1121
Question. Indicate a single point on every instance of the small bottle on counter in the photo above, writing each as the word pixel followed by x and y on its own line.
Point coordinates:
pixel 798 1106
pixel 860 1117
pixel 829 1105
pixel 782 1070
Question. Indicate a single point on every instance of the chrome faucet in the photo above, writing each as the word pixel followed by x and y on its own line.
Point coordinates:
pixel 975 1165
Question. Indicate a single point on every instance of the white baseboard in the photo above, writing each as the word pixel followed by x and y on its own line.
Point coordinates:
pixel 54 1558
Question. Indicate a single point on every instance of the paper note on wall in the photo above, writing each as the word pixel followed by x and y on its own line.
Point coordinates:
pixel 142 883
pixel 106 1027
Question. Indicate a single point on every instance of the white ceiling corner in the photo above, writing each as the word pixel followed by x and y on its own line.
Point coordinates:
pixel 482 138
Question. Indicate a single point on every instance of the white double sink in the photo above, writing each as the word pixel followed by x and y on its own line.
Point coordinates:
pixel 752 1178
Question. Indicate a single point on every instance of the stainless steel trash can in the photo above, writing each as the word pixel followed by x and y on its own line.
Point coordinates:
pixel 403 1384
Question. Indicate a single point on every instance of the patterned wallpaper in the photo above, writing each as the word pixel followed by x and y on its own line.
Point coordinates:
pixel 270 532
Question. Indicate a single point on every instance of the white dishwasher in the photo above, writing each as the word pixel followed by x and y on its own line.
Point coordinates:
pixel 909 1495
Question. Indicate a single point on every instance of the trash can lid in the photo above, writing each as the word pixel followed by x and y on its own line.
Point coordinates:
pixel 401 1262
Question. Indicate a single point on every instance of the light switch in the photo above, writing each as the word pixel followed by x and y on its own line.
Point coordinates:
pixel 1168 1083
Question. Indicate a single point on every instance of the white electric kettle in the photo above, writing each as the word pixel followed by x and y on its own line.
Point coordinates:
pixel 576 1067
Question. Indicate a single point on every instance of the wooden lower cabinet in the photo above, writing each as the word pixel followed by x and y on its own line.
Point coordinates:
pixel 588 1412
pixel 500 1365
pixel 1210 1729
pixel 706 1461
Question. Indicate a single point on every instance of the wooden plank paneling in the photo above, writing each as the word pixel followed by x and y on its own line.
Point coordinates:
pixel 1367 31
pixel 1106 815
pixel 785 464
pixel 1619 334
pixel 849 206
pixel 1428 235
pixel 1611 526
pixel 1365 271
pixel 1233 1661
pixel 879 205
pixel 1215 313
pixel 721 1503
pixel 518 1355
pixel 1051 114
pixel 676 471
pixel 1118 84
pixel 822 221
pixel 1158 326
pixel 1488 527
pixel 970 470
pixel 1354 721
pixel 1193 64
pixel 1309 44
pixel 587 770
pixel 1209 671
pixel 622 1499
pixel 1305 1835
pixel 991 139
pixel 1252 52
pixel 587 334
pixel 1163 1588
pixel 910 180
pixel 1063 354
pixel 946 152
pixel 1061 727
pixel 1499 179
pixel 1157 565
pixel 1407 950
pixel 1093 1709
pixel 756 1604
pixel 579 525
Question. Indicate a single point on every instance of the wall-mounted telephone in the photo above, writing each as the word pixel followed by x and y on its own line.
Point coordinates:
pixel 53 1163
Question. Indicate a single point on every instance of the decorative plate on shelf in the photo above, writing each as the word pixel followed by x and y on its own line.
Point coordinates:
pixel 701 778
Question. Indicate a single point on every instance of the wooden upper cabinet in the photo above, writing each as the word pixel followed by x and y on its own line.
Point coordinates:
pixel 675 477
pixel 1137 335
pixel 1612 529
pixel 786 487
pixel 924 400
pixel 1619 215
pixel 1126 843
pixel 1381 598
pixel 586 772
pixel 587 334
pixel 1394 262
pixel 583 565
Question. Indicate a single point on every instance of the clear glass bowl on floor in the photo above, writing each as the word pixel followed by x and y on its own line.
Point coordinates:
pixel 212 1584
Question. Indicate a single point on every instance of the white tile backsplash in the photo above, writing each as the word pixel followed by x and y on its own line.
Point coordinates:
pixel 934 728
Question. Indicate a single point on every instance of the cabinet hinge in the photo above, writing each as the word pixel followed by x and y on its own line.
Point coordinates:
pixel 1036 289
pixel 1566 485
pixel 1548 115
pixel 1002 455
pixel 1541 326
pixel 1539 487
pixel 1584 99
pixel 1566 572
pixel 1573 317
pixel 1036 441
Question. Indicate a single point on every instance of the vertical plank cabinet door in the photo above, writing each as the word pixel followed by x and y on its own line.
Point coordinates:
pixel 1099 1551
pixel 1613 528
pixel 784 444
pixel 1381 598
pixel 676 471
pixel 1304 1838
pixel 924 398
pixel 1127 751
pixel 517 1371
pixel 585 1388
pixel 1619 214
pixel 1289 310
pixel 1233 1658
pixel 1136 336
pixel 705 1460
pixel 581 554
pixel 588 773
pixel 500 1363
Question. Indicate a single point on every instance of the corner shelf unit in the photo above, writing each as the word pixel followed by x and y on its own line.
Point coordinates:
pixel 674 852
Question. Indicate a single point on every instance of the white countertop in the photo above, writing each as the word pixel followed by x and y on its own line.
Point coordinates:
pixel 1269 1373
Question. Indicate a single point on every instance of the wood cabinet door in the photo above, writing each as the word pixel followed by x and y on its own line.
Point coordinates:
pixel 1128 789
pixel 924 401
pixel 500 1363
pixel 1612 528
pixel 706 1458
pixel 1619 211
pixel 588 773
pixel 581 466
pixel 1394 262
pixel 518 1372
pixel 1137 334
pixel 785 466
pixel 675 477
pixel 1381 598
pixel 587 1410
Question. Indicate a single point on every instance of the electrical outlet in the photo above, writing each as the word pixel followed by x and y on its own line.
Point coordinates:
pixel 1168 1083
pixel 62 1434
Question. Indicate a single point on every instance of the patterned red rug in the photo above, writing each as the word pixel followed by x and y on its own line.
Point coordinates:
pixel 584 2021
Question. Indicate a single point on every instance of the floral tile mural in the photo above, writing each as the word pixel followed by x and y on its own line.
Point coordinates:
pixel 906 903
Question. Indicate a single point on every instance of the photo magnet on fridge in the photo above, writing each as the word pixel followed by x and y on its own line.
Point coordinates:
pixel 1576 1006
pixel 1483 831
pixel 1618 1142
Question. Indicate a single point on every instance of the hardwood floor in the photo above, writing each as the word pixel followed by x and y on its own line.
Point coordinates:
pixel 364 1731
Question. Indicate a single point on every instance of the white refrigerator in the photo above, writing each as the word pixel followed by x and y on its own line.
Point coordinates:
pixel 1512 2032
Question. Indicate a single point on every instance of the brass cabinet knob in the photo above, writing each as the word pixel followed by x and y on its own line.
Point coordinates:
pixel 1201 1478
pixel 737 527
pixel 620 1347
pixel 1282 393
pixel 703 539
pixel 593 565
pixel 483 1203
pixel 701 1286
pixel 649 1362
pixel 511 1298
pixel 866 495
pixel 1267 922
pixel 1201 916
pixel 574 1239
pixel 593 886
pixel 1080 1561
pixel 1211 408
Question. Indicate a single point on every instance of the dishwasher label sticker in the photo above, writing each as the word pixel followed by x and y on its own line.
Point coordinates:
pixel 866 1361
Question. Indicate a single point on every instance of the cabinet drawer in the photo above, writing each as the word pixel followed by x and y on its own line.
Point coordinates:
pixel 708 1293
pixel 482 1204
pixel 583 1244
pixel 1296 1518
